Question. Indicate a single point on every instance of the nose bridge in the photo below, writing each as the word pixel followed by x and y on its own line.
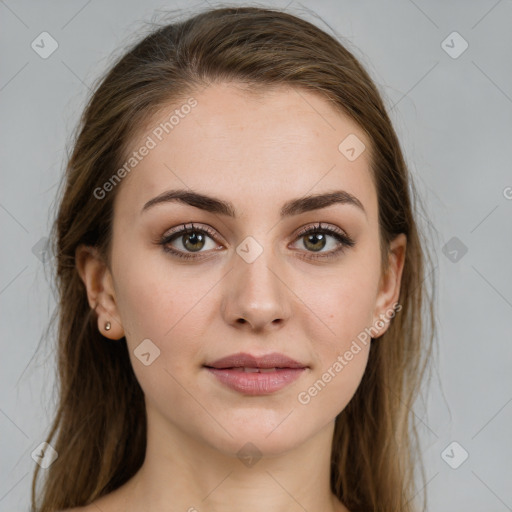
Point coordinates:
pixel 255 267
pixel 255 292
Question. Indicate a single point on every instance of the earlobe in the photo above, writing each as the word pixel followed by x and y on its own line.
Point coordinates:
pixel 96 276
pixel 389 286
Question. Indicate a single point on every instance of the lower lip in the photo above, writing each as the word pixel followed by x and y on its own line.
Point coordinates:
pixel 255 383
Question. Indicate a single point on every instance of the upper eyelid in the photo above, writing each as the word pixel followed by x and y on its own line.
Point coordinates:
pixel 178 231
pixel 183 228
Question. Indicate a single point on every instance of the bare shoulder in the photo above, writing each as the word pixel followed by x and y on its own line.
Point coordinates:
pixel 86 508
pixel 116 501
pixel 340 507
pixel 101 504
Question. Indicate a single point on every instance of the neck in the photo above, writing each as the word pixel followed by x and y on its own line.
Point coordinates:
pixel 182 472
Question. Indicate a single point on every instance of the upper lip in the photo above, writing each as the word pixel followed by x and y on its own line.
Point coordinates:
pixel 242 360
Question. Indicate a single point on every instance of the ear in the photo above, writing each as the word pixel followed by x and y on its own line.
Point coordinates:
pixel 389 286
pixel 98 282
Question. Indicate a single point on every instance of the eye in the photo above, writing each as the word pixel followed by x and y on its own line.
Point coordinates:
pixel 191 239
pixel 315 238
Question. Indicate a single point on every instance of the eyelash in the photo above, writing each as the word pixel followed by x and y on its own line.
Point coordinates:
pixel 344 240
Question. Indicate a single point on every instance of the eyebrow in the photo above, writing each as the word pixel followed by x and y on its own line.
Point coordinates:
pixel 292 207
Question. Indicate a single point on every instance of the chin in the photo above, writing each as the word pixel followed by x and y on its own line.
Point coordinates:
pixel 263 436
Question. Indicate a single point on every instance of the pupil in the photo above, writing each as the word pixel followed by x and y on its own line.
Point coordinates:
pixel 193 239
pixel 319 237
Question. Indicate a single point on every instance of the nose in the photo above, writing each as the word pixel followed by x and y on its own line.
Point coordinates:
pixel 256 297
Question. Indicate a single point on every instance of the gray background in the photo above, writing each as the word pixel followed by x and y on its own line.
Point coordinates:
pixel 454 118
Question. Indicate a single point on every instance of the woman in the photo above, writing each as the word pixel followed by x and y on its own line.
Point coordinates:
pixel 241 281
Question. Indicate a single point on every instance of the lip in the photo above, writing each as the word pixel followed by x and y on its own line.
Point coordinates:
pixel 243 360
pixel 275 372
pixel 257 383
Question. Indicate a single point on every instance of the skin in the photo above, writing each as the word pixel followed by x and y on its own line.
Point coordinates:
pixel 257 152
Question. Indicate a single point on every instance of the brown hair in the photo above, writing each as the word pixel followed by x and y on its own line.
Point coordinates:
pixel 100 422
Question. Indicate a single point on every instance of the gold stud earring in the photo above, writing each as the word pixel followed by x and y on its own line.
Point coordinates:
pixel 107 326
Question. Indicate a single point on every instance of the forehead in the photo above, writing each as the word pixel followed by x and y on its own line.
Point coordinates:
pixel 251 148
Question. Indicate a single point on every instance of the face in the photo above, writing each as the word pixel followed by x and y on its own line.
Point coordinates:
pixel 255 281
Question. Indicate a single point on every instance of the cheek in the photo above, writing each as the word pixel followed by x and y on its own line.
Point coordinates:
pixel 329 391
pixel 339 306
pixel 151 295
pixel 335 321
pixel 170 306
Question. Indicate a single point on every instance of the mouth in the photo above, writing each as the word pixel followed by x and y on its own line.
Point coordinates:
pixel 246 369
pixel 245 361
pixel 256 381
pixel 251 375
